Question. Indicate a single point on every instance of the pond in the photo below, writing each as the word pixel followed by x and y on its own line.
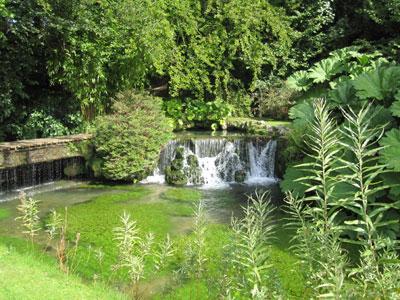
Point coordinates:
pixel 94 210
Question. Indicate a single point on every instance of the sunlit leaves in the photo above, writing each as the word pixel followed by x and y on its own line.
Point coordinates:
pixel 325 70
pixel 299 81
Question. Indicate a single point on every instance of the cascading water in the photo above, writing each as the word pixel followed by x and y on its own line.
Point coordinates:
pixel 223 161
pixel 32 175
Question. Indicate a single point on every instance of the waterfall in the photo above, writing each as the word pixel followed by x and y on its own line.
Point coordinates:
pixel 31 175
pixel 221 160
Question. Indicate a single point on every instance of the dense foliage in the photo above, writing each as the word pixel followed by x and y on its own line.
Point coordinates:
pixel 62 61
pixel 352 78
pixel 343 204
pixel 128 141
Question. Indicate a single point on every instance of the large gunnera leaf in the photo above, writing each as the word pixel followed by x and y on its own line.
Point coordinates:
pixel 343 94
pixel 325 70
pixel 302 112
pixel 299 81
pixel 381 83
pixel 391 154
pixel 395 108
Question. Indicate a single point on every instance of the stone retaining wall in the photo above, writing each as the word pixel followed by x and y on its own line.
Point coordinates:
pixel 24 152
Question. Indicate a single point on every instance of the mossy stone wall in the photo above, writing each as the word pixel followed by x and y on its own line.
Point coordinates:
pixel 19 153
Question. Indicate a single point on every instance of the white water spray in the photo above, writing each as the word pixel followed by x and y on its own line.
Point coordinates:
pixel 220 159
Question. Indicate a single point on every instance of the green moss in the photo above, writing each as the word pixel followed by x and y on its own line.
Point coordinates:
pixel 182 194
pixel 4 213
pixel 96 219
pixel 175 177
pixel 255 125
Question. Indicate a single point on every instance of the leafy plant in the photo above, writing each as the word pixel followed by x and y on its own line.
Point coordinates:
pixel 165 251
pixel 313 215
pixel 129 140
pixel 195 259
pixel 53 226
pixel 133 250
pixel 389 152
pixel 321 225
pixel 250 249
pixel 370 216
pixel 192 113
pixel 29 216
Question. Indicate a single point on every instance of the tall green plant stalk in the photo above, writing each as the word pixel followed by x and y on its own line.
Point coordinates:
pixel 195 257
pixel 368 213
pixel 165 251
pixel 133 250
pixel 250 246
pixel 314 216
pixel 53 227
pixel 323 142
pixel 29 216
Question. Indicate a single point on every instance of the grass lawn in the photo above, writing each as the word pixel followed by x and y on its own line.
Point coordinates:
pixel 30 275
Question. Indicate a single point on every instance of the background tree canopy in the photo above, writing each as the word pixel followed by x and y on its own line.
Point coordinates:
pixel 63 61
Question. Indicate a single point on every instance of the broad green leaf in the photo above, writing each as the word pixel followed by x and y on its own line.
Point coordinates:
pixel 395 108
pixel 303 111
pixel 325 70
pixel 299 81
pixel 378 84
pixel 391 154
pixel 343 94
pixel 392 179
pixel 381 116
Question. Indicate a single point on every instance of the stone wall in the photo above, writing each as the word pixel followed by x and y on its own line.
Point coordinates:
pixel 25 152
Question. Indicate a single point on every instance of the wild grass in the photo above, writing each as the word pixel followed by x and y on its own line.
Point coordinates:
pixel 28 216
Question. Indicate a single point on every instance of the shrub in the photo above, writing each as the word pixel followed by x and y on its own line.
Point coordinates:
pixel 128 140
pixel 197 113
pixel 273 99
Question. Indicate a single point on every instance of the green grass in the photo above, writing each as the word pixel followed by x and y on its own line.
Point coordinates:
pixel 271 122
pixel 4 213
pixel 28 275
pixel 278 123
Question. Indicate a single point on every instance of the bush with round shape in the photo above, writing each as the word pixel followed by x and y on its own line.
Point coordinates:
pixel 130 138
